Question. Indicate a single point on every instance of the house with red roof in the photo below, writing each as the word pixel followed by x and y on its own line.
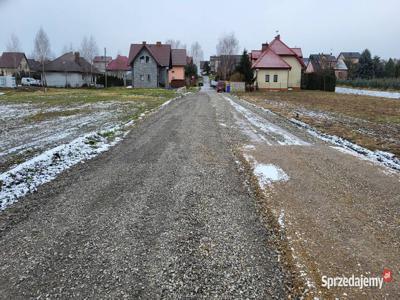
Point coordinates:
pixel 277 66
pixel 119 67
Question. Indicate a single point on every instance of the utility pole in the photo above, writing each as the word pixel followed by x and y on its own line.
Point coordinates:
pixel 105 67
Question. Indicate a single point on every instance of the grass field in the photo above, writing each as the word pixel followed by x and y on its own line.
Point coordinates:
pixel 371 122
pixel 32 121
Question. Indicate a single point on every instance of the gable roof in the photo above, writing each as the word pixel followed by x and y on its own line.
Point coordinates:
pixel 160 52
pixel 70 62
pixel 350 54
pixel 281 48
pixel 11 60
pixel 298 52
pixel 178 57
pixel 340 65
pixel 255 54
pixel 306 60
pixel 119 64
pixel 270 60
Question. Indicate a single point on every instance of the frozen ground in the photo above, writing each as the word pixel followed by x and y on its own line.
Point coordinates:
pixel 343 90
pixel 38 140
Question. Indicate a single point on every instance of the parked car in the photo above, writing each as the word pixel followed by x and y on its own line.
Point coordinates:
pixel 28 81
pixel 221 86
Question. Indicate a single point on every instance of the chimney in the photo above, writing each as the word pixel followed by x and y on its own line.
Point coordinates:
pixel 264 47
pixel 158 43
pixel 278 37
pixel 77 56
pixel 144 43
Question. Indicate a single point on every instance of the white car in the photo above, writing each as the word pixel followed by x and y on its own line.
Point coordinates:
pixel 27 81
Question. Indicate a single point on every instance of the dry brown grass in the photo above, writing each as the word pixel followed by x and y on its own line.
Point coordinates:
pixel 368 121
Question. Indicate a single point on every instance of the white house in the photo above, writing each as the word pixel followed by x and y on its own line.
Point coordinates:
pixel 69 70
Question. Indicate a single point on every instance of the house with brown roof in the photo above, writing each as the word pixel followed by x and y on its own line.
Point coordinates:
pixel 150 64
pixel 277 66
pixel 12 63
pixel 176 75
pixel 69 70
pixel 354 57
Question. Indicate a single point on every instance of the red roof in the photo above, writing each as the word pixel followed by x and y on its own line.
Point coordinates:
pixel 298 52
pixel 281 48
pixel 178 57
pixel 270 60
pixel 255 54
pixel 160 52
pixel 119 64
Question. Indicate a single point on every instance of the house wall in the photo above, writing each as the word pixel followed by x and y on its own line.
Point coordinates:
pixel 294 73
pixel 283 76
pixel 341 74
pixel 310 68
pixel 61 79
pixel 23 67
pixel 144 69
pixel 176 73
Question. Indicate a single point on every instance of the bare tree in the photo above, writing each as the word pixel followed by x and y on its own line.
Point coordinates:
pixel 42 50
pixel 89 50
pixel 13 44
pixel 67 48
pixel 227 48
pixel 175 44
pixel 197 53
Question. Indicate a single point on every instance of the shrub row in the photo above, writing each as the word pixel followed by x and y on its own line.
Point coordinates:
pixel 377 83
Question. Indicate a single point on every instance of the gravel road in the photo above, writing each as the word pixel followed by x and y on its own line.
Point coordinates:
pixel 166 213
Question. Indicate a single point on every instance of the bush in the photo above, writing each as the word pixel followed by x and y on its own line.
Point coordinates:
pixel 377 83
pixel 323 81
pixel 111 81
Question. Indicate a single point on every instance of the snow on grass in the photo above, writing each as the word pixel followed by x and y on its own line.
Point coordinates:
pixel 384 94
pixel 382 158
pixel 283 136
pixel 281 219
pixel 25 178
pixel 28 176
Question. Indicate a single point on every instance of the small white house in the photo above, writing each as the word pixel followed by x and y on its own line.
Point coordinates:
pixel 69 70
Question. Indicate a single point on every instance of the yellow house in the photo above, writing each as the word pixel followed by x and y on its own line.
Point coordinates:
pixel 278 67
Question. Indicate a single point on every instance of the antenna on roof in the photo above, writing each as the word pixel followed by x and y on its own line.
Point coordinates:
pixel 277 32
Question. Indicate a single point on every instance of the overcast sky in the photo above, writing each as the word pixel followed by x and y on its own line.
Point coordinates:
pixel 314 25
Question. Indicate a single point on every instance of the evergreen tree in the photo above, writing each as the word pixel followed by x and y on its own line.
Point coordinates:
pixel 191 70
pixel 379 67
pixel 245 69
pixel 352 69
pixel 390 69
pixel 207 68
pixel 397 69
pixel 366 67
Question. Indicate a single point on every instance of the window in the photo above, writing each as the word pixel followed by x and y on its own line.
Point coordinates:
pixel 275 78
pixel 142 77
pixel 266 78
pixel 142 59
pixel 148 77
pixel 147 59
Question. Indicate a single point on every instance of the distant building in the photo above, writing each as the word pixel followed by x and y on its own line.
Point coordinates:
pixel 277 66
pixel 176 75
pixel 319 62
pixel 341 70
pixel 150 64
pixel 69 70
pixel 12 63
pixel 354 57
pixel 101 62
pixel 119 67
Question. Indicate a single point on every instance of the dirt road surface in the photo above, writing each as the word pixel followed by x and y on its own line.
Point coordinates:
pixel 170 213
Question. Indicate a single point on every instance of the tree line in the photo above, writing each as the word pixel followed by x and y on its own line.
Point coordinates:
pixel 370 67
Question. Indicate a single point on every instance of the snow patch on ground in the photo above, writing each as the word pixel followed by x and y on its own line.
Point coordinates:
pixel 1 94
pixel 384 94
pixel 283 136
pixel 25 178
pixel 269 173
pixel 382 158
pixel 281 219
pixel 222 124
